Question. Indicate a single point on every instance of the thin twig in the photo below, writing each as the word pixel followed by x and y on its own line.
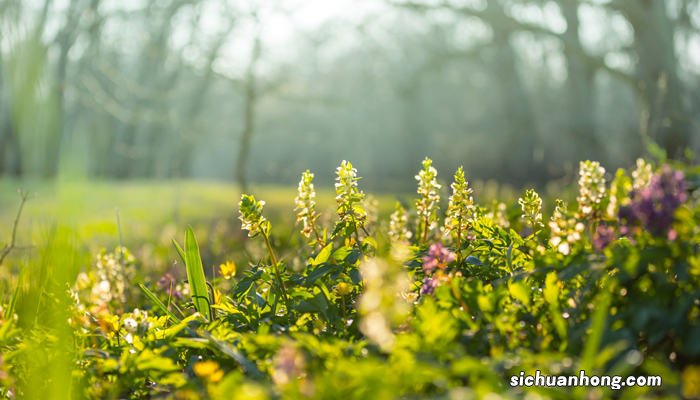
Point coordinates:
pixel 9 247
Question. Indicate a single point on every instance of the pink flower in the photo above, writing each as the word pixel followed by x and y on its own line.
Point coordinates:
pixel 438 256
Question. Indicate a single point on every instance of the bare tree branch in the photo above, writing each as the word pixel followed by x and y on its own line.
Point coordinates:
pixel 9 247
pixel 511 24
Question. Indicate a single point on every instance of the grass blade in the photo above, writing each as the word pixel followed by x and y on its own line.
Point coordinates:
pixel 180 252
pixel 156 301
pixel 195 274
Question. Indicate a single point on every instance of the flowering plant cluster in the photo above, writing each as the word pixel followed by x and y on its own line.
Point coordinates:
pixel 428 201
pixel 653 206
pixel 375 304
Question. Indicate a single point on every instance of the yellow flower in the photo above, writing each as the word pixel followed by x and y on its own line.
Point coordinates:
pixel 691 382
pixel 208 370
pixel 227 269
pixel 344 288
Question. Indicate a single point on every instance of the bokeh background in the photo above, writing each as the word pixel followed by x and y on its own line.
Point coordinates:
pixel 251 91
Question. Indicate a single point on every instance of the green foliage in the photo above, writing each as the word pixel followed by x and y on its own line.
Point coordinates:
pixel 377 311
pixel 195 273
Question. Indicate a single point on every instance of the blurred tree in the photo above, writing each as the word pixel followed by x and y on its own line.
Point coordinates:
pixel 187 126
pixel 64 41
pixel 250 103
pixel 665 117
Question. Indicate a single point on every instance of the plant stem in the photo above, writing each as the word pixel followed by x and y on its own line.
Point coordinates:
pixel 275 266
pixel 320 242
pixel 459 244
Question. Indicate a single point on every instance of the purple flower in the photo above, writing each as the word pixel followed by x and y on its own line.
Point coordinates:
pixel 653 207
pixel 167 284
pixel 429 285
pixel 603 236
pixel 438 257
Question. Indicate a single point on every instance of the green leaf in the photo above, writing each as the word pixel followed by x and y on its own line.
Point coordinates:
pixel 180 252
pixel 195 274
pixel 156 301
pixel 551 296
pixel 323 255
pixel 150 361
pixel 485 303
pixel 551 290
pixel 370 241
pixel 318 273
pixel 520 292
pixel 474 261
pixel 342 252
pixel 597 328
pixel 229 350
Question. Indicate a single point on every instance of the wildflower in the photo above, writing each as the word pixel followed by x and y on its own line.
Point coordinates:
pixel 343 289
pixel 289 365
pixel 429 285
pixel 251 216
pixel 227 269
pixel 565 230
pixel 130 325
pixel 591 186
pixel 460 210
pixel 82 281
pixel 167 283
pixel 181 290
pixel 603 236
pixel 371 205
pixel 349 199
pixel 398 224
pixel 653 207
pixel 134 323
pixel 114 270
pixel 428 203
pixel 641 176
pixel 305 205
pixel 531 206
pixel 498 214
pixel 101 293
pixel 208 370
pixel 619 191
pixel 438 257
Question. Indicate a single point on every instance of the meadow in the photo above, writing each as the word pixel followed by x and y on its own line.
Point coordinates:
pixel 191 290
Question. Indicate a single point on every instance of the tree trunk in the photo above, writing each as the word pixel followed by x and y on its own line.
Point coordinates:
pixel 53 150
pixel 579 88
pixel 183 159
pixel 250 104
pixel 65 39
pixel 667 121
pixel 517 118
pixel 10 154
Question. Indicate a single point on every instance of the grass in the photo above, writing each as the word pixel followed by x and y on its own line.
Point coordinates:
pixel 144 215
